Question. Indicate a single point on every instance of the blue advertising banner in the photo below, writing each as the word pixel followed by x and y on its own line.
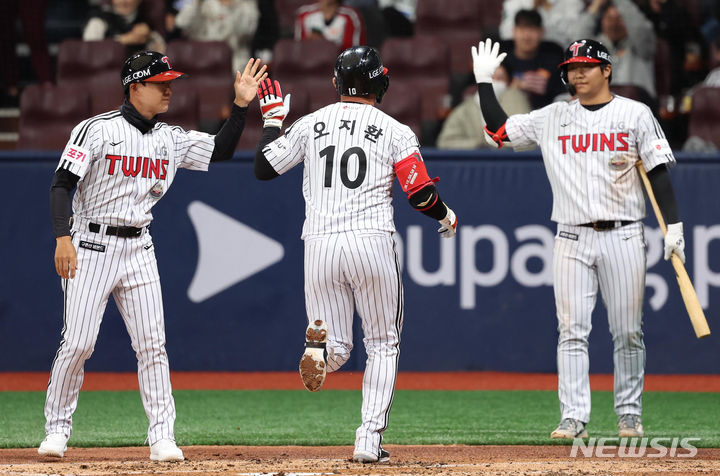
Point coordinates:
pixel 231 266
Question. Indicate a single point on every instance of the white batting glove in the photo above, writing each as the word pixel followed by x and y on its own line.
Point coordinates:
pixel 674 241
pixel 486 58
pixel 448 224
pixel 272 106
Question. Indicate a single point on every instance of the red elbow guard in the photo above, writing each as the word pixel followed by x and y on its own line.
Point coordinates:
pixel 412 174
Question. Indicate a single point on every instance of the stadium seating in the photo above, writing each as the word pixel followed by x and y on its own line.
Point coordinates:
pixel 304 59
pixel 404 107
pixel 637 93
pixel 663 67
pixel 705 115
pixel 79 61
pixel 48 114
pixel 254 124
pixel 306 66
pixel 448 16
pixel 287 12
pixel 491 16
pixel 209 68
pixel 427 72
pixel 184 109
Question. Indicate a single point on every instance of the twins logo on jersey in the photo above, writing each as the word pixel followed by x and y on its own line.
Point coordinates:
pixel 146 167
pixel 595 142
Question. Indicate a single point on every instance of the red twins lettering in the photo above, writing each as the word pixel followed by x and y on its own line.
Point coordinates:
pixel 595 142
pixel 145 167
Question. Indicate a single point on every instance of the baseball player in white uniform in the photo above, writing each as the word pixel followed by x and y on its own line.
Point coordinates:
pixel 590 146
pixel 351 153
pixel 122 163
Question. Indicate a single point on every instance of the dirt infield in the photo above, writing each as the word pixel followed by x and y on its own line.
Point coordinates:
pixel 37 381
pixel 405 460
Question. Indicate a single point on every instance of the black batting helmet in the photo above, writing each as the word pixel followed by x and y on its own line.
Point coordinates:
pixel 359 72
pixel 584 51
pixel 147 66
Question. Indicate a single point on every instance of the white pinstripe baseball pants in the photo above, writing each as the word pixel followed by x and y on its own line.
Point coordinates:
pixel 348 270
pixel 614 261
pixel 128 269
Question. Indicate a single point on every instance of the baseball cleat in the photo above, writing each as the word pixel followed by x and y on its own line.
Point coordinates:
pixel 367 457
pixel 54 444
pixel 165 450
pixel 630 426
pixel 570 428
pixel 313 363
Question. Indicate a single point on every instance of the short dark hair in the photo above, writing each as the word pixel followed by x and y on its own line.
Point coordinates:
pixel 528 18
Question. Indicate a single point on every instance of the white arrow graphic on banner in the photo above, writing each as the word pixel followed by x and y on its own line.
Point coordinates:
pixel 228 251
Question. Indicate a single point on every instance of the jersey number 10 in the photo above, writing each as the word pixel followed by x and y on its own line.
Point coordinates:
pixel 329 154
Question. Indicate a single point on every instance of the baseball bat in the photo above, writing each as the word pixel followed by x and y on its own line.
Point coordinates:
pixel 692 304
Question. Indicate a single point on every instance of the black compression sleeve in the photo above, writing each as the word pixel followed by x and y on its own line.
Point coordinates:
pixel 427 201
pixel 227 138
pixel 263 169
pixel 664 194
pixel 63 183
pixel 492 112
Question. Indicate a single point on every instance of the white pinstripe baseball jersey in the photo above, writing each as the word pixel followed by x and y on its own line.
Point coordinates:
pixel 346 143
pixel 590 156
pixel 124 172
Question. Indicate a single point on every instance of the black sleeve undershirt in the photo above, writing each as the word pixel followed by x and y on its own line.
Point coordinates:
pixel 664 193
pixel 492 111
pixel 226 140
pixel 62 185
pixel 428 193
pixel 263 169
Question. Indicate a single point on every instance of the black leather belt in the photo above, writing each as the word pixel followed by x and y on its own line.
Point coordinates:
pixel 119 231
pixel 607 225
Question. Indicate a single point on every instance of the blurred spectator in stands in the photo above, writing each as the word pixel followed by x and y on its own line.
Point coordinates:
pixel 330 20
pixel 463 127
pixel 233 21
pixel 375 29
pixel 557 16
pixel 32 17
pixel 533 61
pixel 267 32
pixel 713 79
pixel 399 16
pixel 123 21
pixel 628 36
pixel 673 23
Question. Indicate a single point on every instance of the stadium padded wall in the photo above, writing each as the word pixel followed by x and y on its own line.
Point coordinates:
pixel 232 274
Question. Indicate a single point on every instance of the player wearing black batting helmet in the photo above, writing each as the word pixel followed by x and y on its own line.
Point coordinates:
pixel 147 66
pixel 359 72
pixel 584 51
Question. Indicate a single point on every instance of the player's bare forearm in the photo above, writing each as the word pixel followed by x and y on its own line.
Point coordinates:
pixel 65 257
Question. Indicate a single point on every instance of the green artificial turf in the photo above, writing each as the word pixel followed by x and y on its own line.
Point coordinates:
pixel 283 417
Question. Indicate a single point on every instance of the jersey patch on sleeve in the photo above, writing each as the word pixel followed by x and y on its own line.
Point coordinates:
pixel 278 147
pixel 75 159
pixel 660 147
pixel 198 135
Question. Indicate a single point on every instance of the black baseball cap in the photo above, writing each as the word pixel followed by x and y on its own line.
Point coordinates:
pixel 148 66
